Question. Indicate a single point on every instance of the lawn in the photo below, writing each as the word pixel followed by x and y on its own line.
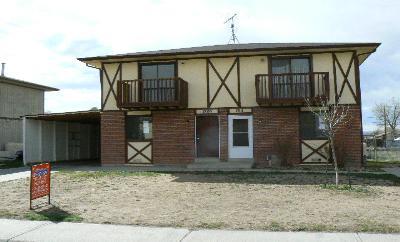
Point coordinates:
pixel 6 164
pixel 260 201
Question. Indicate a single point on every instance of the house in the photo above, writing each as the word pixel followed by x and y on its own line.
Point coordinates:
pixel 17 98
pixel 236 102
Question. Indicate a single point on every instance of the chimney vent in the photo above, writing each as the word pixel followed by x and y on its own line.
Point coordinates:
pixel 3 66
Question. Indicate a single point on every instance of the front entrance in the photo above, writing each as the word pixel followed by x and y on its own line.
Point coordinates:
pixel 207 136
pixel 240 136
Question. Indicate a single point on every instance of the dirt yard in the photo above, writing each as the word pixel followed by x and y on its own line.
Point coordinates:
pixel 261 201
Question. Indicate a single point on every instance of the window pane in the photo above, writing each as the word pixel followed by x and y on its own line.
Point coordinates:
pixel 280 66
pixel 138 128
pixel 311 127
pixel 240 125
pixel 149 71
pixel 240 139
pixel 300 65
pixel 166 70
pixel 307 125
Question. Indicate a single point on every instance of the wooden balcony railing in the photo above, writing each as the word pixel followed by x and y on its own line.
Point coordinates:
pixel 152 93
pixel 292 88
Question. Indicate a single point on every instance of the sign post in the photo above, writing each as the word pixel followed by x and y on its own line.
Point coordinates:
pixel 40 182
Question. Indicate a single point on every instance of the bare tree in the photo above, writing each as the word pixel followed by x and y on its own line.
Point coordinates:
pixel 388 114
pixel 332 116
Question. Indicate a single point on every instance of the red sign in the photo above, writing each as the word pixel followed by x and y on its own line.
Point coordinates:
pixel 40 181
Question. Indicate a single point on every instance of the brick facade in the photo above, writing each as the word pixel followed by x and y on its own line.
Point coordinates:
pixel 223 134
pixel 113 147
pixel 349 138
pixel 173 137
pixel 271 124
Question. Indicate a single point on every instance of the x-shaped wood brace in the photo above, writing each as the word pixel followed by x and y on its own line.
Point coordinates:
pixel 223 81
pixel 315 151
pixel 111 84
pixel 139 152
pixel 345 77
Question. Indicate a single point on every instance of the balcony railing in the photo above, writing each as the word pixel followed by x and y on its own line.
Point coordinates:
pixel 292 88
pixel 153 93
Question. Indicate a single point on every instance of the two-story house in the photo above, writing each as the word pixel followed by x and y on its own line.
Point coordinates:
pixel 228 102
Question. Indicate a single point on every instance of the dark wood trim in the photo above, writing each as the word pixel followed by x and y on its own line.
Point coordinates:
pixel 111 83
pixel 345 75
pixel 140 152
pixel 208 81
pixel 238 79
pixel 223 82
pixel 334 76
pixel 101 87
pixel 314 150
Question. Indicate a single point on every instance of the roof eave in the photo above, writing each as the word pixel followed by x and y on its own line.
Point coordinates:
pixel 108 57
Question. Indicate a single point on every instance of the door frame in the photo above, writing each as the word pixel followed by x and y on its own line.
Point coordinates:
pixel 250 130
pixel 219 135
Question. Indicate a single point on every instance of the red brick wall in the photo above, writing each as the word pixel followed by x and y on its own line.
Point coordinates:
pixel 223 134
pixel 271 124
pixel 173 137
pixel 349 138
pixel 113 147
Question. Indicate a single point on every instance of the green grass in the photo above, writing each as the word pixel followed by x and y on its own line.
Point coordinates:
pixel 52 216
pixel 211 225
pixel 100 174
pixel 371 226
pixel 6 164
pixel 346 187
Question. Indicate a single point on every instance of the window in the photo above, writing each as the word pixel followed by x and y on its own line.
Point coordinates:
pixel 290 80
pixel 138 128
pixel 240 132
pixel 154 89
pixel 311 126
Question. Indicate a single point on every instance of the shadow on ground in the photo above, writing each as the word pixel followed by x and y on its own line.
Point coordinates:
pixel 52 213
pixel 280 178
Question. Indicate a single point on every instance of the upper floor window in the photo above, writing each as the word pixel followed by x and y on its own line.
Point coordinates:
pixel 290 65
pixel 154 89
pixel 157 70
pixel 291 80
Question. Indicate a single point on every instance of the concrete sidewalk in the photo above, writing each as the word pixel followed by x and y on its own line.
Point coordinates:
pixel 18 230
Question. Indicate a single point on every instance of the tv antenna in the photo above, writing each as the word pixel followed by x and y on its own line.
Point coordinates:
pixel 233 38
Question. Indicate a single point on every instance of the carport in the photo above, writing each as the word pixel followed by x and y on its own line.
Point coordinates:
pixel 70 136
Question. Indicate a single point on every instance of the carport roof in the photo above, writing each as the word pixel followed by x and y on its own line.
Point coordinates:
pixel 79 116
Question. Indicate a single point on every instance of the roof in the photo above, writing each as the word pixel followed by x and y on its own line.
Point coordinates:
pixel 78 116
pixel 16 82
pixel 232 48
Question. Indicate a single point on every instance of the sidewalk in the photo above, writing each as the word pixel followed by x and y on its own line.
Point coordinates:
pixel 18 230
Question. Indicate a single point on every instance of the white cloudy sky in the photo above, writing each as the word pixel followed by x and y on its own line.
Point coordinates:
pixel 40 40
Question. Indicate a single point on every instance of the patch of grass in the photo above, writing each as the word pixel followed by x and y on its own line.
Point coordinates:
pixel 55 216
pixel 211 225
pixel 6 164
pixel 370 226
pixel 275 226
pixel 100 174
pixel 7 214
pixel 345 187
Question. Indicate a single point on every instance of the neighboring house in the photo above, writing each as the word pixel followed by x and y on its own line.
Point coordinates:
pixel 238 102
pixel 17 98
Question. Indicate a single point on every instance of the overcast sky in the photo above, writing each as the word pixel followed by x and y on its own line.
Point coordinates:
pixel 40 40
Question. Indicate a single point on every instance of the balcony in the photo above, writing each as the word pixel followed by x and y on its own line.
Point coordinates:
pixel 149 94
pixel 291 88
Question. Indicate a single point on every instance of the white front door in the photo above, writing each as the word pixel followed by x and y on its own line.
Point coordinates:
pixel 240 136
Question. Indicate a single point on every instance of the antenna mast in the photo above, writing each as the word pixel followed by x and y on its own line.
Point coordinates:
pixel 233 38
